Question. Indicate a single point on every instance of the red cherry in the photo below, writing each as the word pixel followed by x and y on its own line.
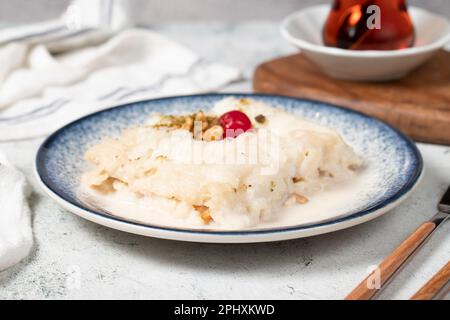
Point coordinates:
pixel 234 123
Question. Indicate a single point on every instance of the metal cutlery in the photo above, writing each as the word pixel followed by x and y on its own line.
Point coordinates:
pixel 387 269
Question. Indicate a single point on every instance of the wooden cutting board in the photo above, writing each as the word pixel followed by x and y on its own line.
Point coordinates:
pixel 418 105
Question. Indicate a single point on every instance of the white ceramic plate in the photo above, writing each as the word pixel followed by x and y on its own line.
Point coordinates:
pixel 393 168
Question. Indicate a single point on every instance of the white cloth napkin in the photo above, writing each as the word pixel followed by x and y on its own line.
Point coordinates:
pixel 16 238
pixel 23 51
pixel 41 91
pixel 48 91
pixel 84 22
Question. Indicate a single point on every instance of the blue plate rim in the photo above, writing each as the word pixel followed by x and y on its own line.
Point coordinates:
pixel 404 190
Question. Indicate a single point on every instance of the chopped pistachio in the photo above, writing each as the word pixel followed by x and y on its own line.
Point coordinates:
pixel 244 102
pixel 272 186
pixel 187 122
pixel 296 198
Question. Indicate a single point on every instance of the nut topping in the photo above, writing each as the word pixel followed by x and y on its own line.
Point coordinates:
pixel 213 134
pixel 204 213
pixel 296 198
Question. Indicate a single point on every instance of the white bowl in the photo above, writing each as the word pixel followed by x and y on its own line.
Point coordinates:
pixel 304 30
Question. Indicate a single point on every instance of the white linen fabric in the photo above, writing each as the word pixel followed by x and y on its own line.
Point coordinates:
pixel 16 238
pixel 54 72
pixel 136 64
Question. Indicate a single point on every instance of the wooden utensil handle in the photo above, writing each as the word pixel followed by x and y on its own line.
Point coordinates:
pixel 376 279
pixel 432 287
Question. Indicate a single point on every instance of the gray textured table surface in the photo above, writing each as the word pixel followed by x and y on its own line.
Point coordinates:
pixel 74 258
pixel 144 11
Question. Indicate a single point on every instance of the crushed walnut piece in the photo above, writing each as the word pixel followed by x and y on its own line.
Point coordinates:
pixel 296 198
pixel 213 134
pixel 204 213
pixel 188 123
pixel 106 186
pixel 297 179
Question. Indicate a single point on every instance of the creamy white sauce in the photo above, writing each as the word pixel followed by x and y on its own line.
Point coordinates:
pixel 334 201
pixel 237 195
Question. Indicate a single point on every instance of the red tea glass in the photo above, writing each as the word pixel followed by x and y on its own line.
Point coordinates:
pixel 369 25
